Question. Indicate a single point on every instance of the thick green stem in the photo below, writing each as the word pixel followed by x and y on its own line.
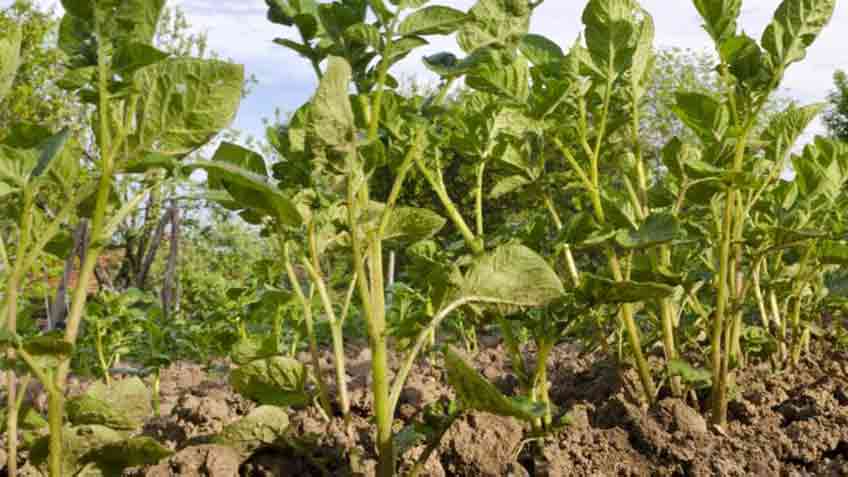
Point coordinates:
pixel 101 356
pixel 379 366
pixel 719 404
pixel 12 327
pixel 55 406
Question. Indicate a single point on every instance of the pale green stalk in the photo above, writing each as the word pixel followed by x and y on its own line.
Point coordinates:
pixel 306 305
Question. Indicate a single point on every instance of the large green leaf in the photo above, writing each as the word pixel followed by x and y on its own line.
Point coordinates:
pixel 795 26
pixel 514 274
pixel 495 23
pixel 432 20
pixel 10 48
pixel 475 392
pixel 276 381
pixel 332 115
pixel 657 229
pixel 720 17
pixel 124 405
pixel 612 35
pixel 510 80
pixel 643 56
pixel 834 253
pixel 184 103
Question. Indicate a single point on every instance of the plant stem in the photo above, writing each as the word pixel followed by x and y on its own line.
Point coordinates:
pixel 157 405
pixel 633 336
pixel 478 201
pixel 539 391
pixel 310 330
pixel 336 331
pixel 55 405
pixel 473 242
pixel 12 327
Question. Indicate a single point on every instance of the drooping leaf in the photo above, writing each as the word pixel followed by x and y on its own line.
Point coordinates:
pixel 475 392
pixel 184 103
pixel 332 118
pixel 511 80
pixel 134 56
pixel 235 168
pixel 79 443
pixel 795 26
pixel 657 229
pixel 603 290
pixel 133 452
pixel 432 20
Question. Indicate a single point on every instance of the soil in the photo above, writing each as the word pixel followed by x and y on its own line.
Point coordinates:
pixel 793 423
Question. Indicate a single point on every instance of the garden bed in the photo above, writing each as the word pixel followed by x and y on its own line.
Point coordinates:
pixel 793 423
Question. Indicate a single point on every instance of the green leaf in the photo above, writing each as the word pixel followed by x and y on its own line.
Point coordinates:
pixel 411 224
pixel 495 23
pixel 696 377
pixel 745 58
pixel 475 392
pixel 184 103
pixel 264 426
pixel 785 128
pixel 274 381
pixel 658 228
pixel 124 405
pixel 10 49
pixel 508 185
pixel 795 26
pixel 833 253
pixel 703 114
pixel 134 56
pixel 250 190
pixel 720 17
pixel 432 20
pixel 332 118
pixel 150 162
pixel 602 290
pixel 134 452
pixel 612 32
pixel 511 80
pixel 539 50
pixel 643 57
pixel 514 274
pixel 79 443
pixel 50 150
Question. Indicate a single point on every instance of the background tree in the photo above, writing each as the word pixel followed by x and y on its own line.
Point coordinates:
pixel 836 116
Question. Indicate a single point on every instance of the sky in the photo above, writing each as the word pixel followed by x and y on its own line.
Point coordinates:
pixel 238 30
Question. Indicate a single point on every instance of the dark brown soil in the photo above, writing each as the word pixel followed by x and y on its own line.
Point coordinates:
pixel 793 423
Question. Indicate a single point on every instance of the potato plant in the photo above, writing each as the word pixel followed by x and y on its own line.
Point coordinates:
pixel 568 232
pixel 148 110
